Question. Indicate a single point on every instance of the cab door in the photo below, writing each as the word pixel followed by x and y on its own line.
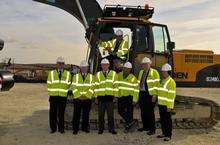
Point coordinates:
pixel 152 41
pixel 160 41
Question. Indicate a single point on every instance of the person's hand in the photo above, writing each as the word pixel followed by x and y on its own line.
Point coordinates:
pixel 108 49
pixel 172 112
pixel 154 99
pixel 96 101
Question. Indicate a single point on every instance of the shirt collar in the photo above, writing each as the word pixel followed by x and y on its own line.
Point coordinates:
pixel 60 70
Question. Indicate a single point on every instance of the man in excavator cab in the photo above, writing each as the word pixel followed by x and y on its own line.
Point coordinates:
pixel 117 49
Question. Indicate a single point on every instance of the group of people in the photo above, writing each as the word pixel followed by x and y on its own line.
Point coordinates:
pixel 107 87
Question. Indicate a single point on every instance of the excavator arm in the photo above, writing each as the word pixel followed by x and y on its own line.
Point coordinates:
pixel 86 11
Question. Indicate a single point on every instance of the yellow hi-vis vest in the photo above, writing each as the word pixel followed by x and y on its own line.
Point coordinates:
pixel 82 88
pixel 122 50
pixel 167 93
pixel 106 86
pixel 153 81
pixel 56 86
pixel 128 86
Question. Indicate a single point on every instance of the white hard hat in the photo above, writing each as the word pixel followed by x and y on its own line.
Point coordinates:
pixel 105 61
pixel 119 32
pixel 166 67
pixel 128 65
pixel 60 59
pixel 146 60
pixel 83 63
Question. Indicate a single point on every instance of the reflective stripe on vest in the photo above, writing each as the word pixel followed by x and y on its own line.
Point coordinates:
pixel 127 86
pixel 152 81
pixel 105 86
pixel 82 87
pixel 166 96
pixel 56 86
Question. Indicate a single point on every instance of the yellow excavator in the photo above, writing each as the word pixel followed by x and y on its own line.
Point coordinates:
pixel 191 68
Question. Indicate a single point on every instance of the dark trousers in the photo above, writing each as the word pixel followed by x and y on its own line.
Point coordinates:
pixel 81 107
pixel 56 113
pixel 166 121
pixel 125 109
pixel 105 103
pixel 147 111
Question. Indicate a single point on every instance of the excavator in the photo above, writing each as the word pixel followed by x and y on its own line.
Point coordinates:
pixel 191 68
pixel 6 77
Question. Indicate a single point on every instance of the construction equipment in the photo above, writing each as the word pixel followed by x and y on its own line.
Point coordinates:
pixel 6 78
pixel 205 72
pixel 151 40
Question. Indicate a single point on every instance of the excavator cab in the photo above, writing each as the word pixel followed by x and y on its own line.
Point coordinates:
pixel 145 38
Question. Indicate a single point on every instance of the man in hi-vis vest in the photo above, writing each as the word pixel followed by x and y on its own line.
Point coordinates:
pixel 127 95
pixel 82 88
pixel 58 84
pixel 166 100
pixel 149 79
pixel 106 91
pixel 118 50
pixel 118 47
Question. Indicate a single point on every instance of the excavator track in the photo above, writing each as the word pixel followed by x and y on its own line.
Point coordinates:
pixel 189 113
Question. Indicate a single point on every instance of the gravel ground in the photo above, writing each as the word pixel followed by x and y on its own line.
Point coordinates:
pixel 24 121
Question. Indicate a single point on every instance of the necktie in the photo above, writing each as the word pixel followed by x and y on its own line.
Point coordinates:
pixel 83 76
pixel 143 79
pixel 60 75
pixel 105 74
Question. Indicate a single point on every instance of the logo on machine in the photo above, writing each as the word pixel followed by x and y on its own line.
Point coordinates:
pixel 212 79
pixel 180 75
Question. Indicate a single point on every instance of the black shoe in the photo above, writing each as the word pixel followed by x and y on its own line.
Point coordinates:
pixel 100 132
pixel 86 130
pixel 62 132
pixel 113 132
pixel 51 132
pixel 75 132
pixel 151 133
pixel 161 136
pixel 142 129
pixel 167 139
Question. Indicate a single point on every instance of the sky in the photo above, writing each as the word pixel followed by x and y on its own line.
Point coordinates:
pixel 38 33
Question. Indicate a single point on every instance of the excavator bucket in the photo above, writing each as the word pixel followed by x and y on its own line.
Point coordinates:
pixel 86 11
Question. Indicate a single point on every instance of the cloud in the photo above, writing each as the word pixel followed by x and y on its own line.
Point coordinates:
pixel 36 32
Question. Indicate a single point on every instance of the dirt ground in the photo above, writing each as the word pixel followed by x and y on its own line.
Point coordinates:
pixel 24 121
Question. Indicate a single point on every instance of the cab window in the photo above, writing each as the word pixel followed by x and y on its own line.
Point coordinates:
pixel 160 39
pixel 142 38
